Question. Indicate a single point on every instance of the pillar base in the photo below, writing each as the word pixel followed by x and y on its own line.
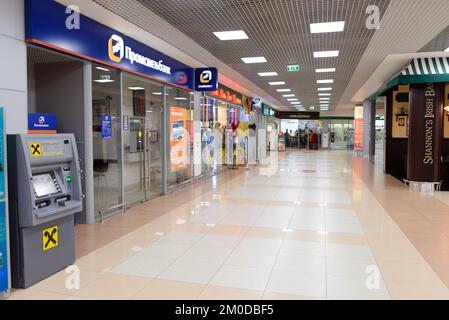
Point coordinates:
pixel 423 187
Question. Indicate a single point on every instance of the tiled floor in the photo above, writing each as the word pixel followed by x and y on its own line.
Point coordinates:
pixel 320 225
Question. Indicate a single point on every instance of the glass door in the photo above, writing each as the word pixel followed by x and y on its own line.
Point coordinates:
pixel 106 138
pixel 142 132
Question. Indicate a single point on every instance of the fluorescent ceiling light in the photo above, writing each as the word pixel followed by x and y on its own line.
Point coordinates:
pixel 136 88
pixel 180 98
pixel 325 27
pixel 324 94
pixel 447 50
pixel 268 74
pixel 326 54
pixel 231 35
pixel 298 103
pixel 325 70
pixel 103 69
pixel 277 83
pixel 294 99
pixel 312 108
pixel 322 104
pixel 104 81
pixel 284 90
pixel 324 89
pixel 325 99
pixel 325 81
pixel 250 60
pixel 159 93
pixel 288 95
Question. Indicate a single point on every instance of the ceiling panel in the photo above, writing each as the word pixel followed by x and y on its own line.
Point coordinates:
pixel 277 29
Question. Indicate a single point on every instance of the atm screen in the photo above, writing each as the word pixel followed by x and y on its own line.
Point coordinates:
pixel 44 185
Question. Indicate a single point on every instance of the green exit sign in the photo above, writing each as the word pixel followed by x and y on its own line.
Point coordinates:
pixel 293 68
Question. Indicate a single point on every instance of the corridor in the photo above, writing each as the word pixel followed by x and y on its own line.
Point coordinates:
pixel 312 225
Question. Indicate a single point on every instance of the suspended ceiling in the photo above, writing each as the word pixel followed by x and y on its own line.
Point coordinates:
pixel 278 30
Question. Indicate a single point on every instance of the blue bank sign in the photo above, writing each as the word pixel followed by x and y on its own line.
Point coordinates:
pixel 41 123
pixel 206 79
pixel 46 26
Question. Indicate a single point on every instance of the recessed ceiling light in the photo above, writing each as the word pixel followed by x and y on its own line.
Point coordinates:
pixel 284 90
pixel 277 83
pixel 325 81
pixel 326 54
pixel 250 60
pixel 325 70
pixel 325 27
pixel 288 95
pixel 231 35
pixel 324 89
pixel 136 88
pixel 312 108
pixel 103 69
pixel 325 99
pixel 324 94
pixel 180 98
pixel 297 103
pixel 447 50
pixel 104 81
pixel 267 74
pixel 293 99
pixel 323 104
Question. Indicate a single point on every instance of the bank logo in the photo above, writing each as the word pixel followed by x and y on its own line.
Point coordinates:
pixel 41 120
pixel 116 48
pixel 206 76
pixel 181 77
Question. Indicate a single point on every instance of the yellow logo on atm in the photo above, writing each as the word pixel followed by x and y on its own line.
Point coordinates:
pixel 206 76
pixel 116 48
pixel 36 149
pixel 50 238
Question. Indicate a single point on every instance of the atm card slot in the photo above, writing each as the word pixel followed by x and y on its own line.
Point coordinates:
pixel 43 204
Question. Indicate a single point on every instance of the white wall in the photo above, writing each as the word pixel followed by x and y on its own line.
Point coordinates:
pixel 13 65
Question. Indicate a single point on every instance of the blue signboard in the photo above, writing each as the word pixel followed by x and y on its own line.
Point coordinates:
pixel 41 123
pixel 4 263
pixel 46 25
pixel 206 79
pixel 106 127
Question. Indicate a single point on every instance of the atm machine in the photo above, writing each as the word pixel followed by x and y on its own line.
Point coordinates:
pixel 44 196
pixel 5 281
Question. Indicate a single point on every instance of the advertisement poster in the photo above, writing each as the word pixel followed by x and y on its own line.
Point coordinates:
pixel 178 138
pixel 106 127
pixel 41 123
pixel 358 128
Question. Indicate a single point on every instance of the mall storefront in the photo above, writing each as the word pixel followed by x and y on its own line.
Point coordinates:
pixel 141 129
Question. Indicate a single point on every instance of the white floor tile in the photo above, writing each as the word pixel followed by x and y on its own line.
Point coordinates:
pixel 242 278
pixel 339 267
pixel 301 263
pixel 260 244
pixel 307 285
pixel 207 254
pixel 304 248
pixel 339 288
pixel 178 237
pixel 252 258
pixel 349 252
pixel 164 250
pixel 190 271
pixel 143 267
pixel 220 241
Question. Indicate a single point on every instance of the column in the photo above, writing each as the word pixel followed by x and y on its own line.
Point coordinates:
pixel 369 128
pixel 13 65
pixel 424 145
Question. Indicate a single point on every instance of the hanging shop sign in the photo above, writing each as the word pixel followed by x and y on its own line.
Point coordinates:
pixel 358 128
pixel 206 79
pixel 46 25
pixel 228 95
pixel 41 123
pixel 125 123
pixel 298 115
pixel 267 110
pixel 256 105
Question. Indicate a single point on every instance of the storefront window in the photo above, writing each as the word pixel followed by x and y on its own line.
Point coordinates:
pixel 180 151
pixel 142 132
pixel 106 116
